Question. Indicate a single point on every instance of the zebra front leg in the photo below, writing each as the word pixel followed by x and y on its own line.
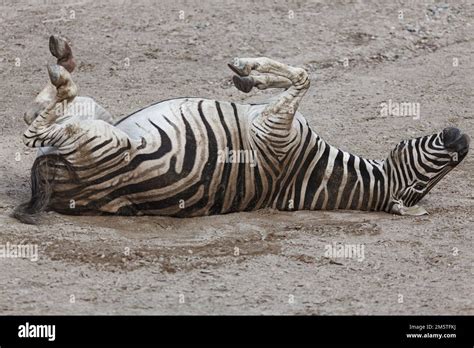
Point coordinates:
pixel 246 83
pixel 281 75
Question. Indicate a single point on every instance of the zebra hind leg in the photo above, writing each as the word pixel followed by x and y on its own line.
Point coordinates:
pixel 60 49
pixel 43 171
pixel 62 80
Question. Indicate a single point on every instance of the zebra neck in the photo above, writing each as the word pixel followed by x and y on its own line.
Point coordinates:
pixel 337 179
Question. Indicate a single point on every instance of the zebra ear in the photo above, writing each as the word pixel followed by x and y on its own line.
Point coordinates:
pixel 415 210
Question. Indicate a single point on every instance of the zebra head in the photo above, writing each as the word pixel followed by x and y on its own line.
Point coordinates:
pixel 415 166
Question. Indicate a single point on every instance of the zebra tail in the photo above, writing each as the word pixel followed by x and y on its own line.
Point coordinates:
pixel 41 188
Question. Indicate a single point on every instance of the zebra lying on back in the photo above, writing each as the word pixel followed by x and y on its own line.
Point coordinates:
pixel 192 156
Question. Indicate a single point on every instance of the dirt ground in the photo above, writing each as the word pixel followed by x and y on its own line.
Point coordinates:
pixel 360 54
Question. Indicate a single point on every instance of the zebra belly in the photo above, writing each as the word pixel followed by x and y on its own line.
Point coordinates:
pixel 197 160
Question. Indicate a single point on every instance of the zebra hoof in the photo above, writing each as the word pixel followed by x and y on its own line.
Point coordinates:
pixel 236 70
pixel 54 72
pixel 240 67
pixel 60 49
pixel 57 46
pixel 243 84
pixel 415 210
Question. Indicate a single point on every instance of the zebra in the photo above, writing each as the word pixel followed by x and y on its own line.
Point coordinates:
pixel 176 157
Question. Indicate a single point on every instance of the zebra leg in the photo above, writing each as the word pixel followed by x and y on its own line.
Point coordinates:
pixel 81 108
pixel 44 131
pixel 415 210
pixel 246 83
pixel 60 49
pixel 285 106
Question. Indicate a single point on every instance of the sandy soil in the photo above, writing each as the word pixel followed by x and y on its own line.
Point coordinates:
pixel 154 265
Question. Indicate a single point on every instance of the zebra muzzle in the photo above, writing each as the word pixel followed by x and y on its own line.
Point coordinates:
pixel 456 142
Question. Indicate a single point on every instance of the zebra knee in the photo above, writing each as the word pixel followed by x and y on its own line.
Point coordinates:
pixel 301 78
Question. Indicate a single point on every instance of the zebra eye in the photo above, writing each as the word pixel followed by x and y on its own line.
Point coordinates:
pixel 419 187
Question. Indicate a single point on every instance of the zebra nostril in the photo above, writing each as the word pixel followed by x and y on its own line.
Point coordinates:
pixel 457 143
pixel 462 144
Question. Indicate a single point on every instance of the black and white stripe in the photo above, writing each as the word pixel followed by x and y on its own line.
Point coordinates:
pixel 166 159
pixel 171 167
